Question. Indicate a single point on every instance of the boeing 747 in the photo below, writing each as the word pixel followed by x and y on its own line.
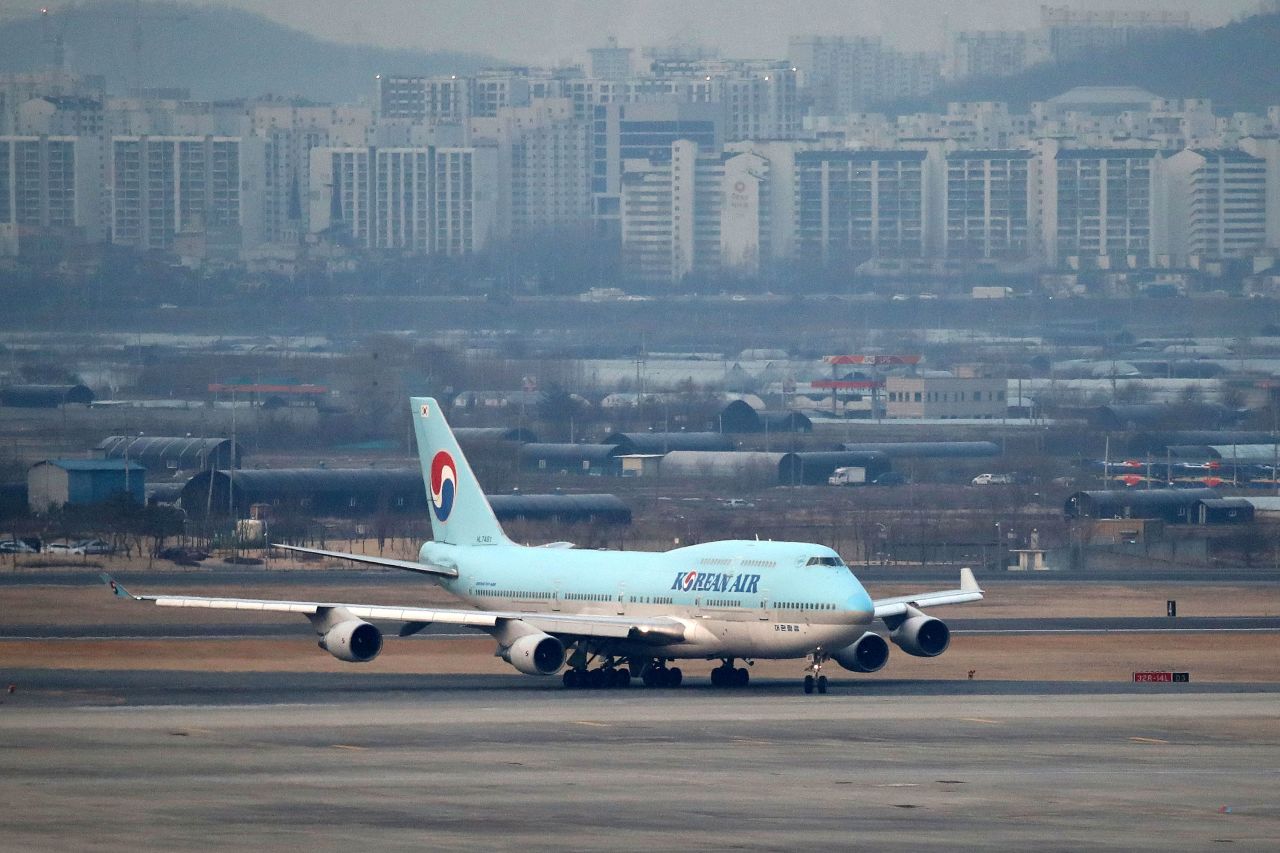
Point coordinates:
pixel 607 617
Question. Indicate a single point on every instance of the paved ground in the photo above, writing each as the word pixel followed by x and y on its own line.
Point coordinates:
pixel 357 762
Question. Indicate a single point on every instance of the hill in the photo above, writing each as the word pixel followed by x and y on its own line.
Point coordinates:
pixel 1234 66
pixel 216 52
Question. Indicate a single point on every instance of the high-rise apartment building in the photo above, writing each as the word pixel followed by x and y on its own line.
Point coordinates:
pixel 1217 203
pixel 858 205
pixel 1104 206
pixel 993 53
pixel 550 178
pixel 1074 32
pixel 426 200
pixel 50 184
pixel 990 200
pixel 163 187
pixel 643 131
pixel 610 62
pixel 842 75
pixel 670 221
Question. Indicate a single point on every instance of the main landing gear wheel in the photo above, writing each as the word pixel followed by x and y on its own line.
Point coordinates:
pixel 726 676
pixel 673 678
pixel 815 678
pixel 619 678
pixel 572 678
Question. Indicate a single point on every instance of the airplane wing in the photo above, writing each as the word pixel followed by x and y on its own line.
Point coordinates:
pixel 407 565
pixel 896 606
pixel 658 631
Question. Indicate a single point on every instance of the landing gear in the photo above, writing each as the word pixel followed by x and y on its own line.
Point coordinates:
pixel 726 676
pixel 658 674
pixel 607 675
pixel 815 679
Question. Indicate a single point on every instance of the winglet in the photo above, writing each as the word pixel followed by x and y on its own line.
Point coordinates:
pixel 968 583
pixel 116 589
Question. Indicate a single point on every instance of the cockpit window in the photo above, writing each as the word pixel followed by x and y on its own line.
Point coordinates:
pixel 825 561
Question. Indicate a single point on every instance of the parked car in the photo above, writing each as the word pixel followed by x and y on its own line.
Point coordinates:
pixel 63 548
pixel 993 480
pixel 95 546
pixel 16 546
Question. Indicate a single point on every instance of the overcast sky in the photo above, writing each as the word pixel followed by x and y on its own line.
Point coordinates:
pixel 551 31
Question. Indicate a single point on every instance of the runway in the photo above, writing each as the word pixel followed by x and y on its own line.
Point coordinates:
pixel 175 761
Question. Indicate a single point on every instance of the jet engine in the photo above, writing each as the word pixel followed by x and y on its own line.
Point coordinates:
pixel 869 653
pixel 354 641
pixel 921 635
pixel 535 654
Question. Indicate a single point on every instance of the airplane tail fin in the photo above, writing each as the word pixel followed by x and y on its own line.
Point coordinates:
pixel 460 513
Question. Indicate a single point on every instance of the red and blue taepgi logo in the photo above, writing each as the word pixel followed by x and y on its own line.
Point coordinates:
pixel 444 484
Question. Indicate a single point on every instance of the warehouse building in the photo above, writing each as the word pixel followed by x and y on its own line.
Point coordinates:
pixel 57 482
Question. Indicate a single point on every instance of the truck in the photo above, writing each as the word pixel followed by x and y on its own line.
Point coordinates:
pixel 989 292
pixel 849 475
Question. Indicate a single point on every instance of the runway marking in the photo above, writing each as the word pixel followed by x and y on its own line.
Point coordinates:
pixel 981 720
pixel 1147 740
pixel 350 746
pixel 592 723
pixel 897 785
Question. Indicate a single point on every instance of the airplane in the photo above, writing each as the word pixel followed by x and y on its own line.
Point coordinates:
pixel 614 616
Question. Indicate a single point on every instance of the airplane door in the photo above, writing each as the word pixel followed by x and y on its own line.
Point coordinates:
pixel 555 595
pixel 764 604
pixel 622 595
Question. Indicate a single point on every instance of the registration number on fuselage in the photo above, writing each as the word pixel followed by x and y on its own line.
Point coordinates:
pixel 780 626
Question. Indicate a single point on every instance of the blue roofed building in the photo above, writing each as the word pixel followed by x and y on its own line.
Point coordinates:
pixel 57 482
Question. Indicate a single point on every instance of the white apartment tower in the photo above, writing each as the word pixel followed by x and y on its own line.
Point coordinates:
pixel 50 183
pixel 1217 203
pixel 162 187
pixel 990 204
pixel 1104 207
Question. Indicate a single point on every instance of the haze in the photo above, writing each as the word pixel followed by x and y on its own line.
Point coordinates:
pixel 553 30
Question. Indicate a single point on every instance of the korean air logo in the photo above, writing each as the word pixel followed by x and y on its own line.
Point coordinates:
pixel 444 484
pixel 425 410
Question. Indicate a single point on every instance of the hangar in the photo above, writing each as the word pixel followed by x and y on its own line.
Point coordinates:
pixel 665 442
pixel 45 396
pixel 480 435
pixel 927 449
pixel 171 453
pixel 363 491
pixel 740 417
pixel 1175 506
pixel 567 458
pixel 813 467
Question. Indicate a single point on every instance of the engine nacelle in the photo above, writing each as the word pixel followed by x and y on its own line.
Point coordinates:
pixel 354 641
pixel 869 653
pixel 535 654
pixel 922 636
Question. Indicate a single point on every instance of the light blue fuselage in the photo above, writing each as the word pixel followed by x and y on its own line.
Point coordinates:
pixel 736 598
